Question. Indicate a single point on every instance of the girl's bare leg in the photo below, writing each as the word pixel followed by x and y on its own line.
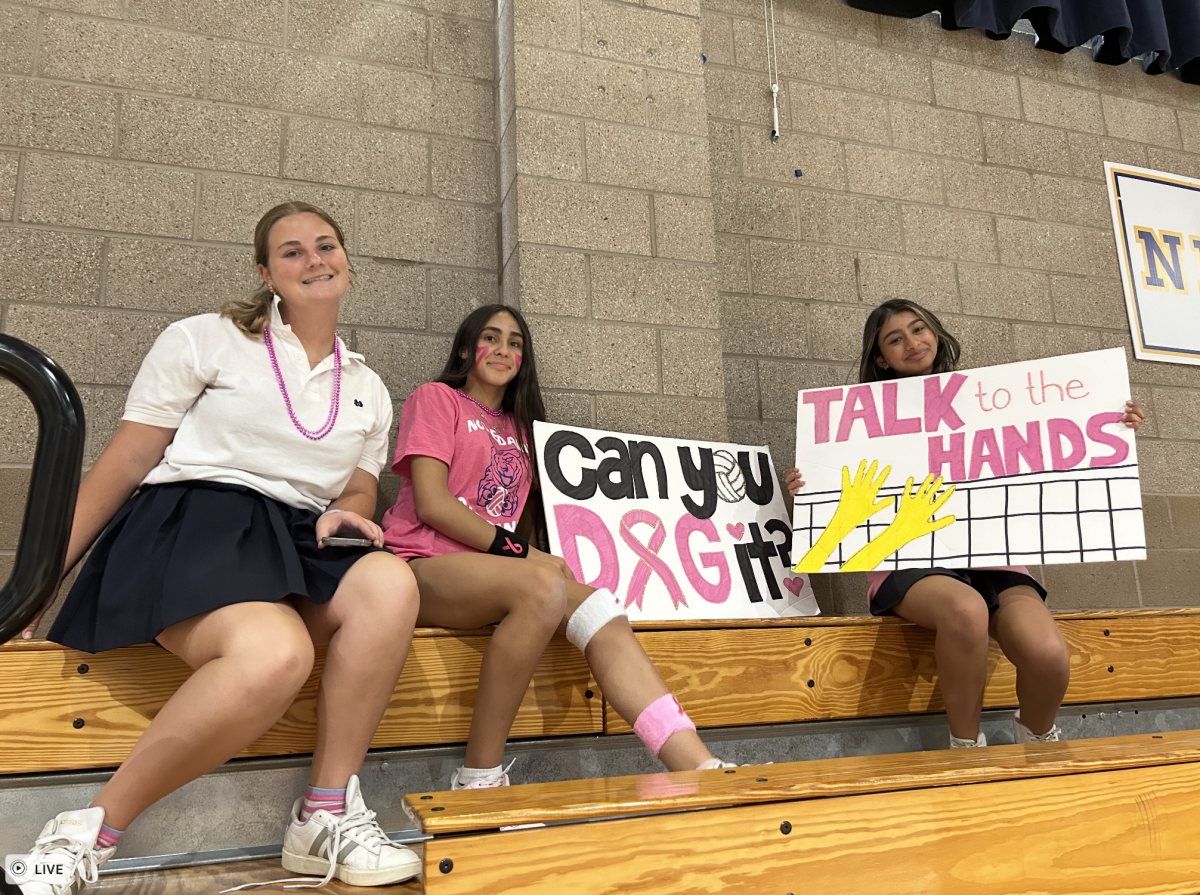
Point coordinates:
pixel 526 598
pixel 250 661
pixel 959 617
pixel 368 626
pixel 1027 634
pixel 631 682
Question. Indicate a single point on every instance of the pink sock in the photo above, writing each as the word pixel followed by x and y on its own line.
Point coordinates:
pixel 317 799
pixel 108 836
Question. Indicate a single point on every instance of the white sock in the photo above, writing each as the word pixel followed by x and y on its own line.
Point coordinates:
pixel 466 775
pixel 964 743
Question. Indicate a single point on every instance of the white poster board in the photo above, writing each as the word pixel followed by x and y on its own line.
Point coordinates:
pixel 1035 467
pixel 1156 217
pixel 676 529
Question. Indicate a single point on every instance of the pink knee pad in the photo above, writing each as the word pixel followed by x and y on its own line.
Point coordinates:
pixel 659 720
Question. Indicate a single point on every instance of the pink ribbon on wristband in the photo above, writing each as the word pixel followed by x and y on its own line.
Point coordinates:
pixel 659 720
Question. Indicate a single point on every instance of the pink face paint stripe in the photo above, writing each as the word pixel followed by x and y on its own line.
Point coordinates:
pixel 480 353
pixel 517 362
pixel 648 558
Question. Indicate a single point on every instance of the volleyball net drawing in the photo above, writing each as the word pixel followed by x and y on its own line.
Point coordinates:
pixel 1080 515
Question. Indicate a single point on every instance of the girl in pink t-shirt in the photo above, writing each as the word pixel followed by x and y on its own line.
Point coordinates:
pixel 966 606
pixel 463 455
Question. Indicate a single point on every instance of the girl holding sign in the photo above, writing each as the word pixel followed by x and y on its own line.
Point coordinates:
pixel 464 459
pixel 966 606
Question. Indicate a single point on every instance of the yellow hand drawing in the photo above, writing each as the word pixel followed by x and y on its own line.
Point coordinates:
pixel 914 519
pixel 856 505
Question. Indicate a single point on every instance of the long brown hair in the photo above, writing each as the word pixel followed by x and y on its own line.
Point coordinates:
pixel 944 361
pixel 251 314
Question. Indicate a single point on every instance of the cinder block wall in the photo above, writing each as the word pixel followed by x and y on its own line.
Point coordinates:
pixel 140 140
pixel 964 174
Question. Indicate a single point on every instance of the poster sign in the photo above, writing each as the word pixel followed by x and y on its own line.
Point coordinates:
pixel 676 529
pixel 1156 217
pixel 1019 464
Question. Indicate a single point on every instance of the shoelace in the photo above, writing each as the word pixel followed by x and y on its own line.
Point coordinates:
pixel 85 861
pixel 370 834
pixel 1050 736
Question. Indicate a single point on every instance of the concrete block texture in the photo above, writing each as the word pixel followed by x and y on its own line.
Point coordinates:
pixel 802 271
pixel 583 216
pixel 835 332
pixel 1056 247
pixel 676 101
pixel 683 228
pixel 387 294
pixel 821 162
pixel 764 327
pixel 843 114
pixel 199 135
pixel 647 159
pixel 716 38
pixel 927 281
pixel 40 115
pixel 1089 302
pixel 579 85
pixel 1056 104
pixel 780 381
pixel 1005 293
pixel 1189 129
pixel 1185 163
pixel 1108 585
pixel 1168 467
pixel 9 165
pixel 741 387
pixel 622 32
pixel 1165 577
pixel 801 54
pixel 754 209
pixel 18 425
pixel 421 102
pixel 895 174
pixel 1089 152
pixel 230 206
pixel 884 72
pixel 945 233
pixel 464 48
pixel 1177 410
pixel 152 275
pixel 652 291
pixel 733 269
pixel 974 89
pixel 1031 341
pixel 403 360
pixel 923 35
pixel 261 21
pixel 735 95
pixel 988 188
pixel 286 81
pixel 552 23
pixel 554 282
pixel 592 356
pixel 1068 200
pixel 352 29
pixel 96 195
pixel 548 145
pixel 691 363
pixel 569 408
pixel 432 231
pixel 54 268
pixel 673 417
pixel 348 155
pixel 453 294
pixel 849 220
pixel 984 342
pixel 122 55
pixel 1129 119
pixel 465 170
pixel 17 42
pixel 1030 146
pixel 933 129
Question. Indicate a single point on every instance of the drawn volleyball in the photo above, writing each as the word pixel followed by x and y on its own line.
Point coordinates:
pixel 731 487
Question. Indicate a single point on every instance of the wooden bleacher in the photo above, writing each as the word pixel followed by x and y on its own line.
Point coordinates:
pixel 65 710
pixel 1118 815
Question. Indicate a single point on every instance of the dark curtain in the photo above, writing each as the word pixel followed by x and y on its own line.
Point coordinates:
pixel 1166 33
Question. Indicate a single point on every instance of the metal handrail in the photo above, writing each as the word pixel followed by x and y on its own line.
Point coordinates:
pixel 53 482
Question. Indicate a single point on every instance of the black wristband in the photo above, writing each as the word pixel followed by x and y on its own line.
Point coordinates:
pixel 508 543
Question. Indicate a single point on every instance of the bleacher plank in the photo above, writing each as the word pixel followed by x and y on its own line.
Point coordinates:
pixel 42 693
pixel 732 676
pixel 1101 817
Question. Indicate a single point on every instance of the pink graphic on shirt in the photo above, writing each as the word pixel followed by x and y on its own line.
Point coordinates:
pixel 498 487
pixel 576 522
pixel 648 560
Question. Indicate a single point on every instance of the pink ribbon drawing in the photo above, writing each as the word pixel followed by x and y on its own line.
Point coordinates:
pixel 648 560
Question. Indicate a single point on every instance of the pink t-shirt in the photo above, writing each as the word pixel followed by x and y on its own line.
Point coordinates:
pixel 489 472
pixel 875 579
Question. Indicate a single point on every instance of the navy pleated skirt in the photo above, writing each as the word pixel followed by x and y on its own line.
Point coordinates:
pixel 175 551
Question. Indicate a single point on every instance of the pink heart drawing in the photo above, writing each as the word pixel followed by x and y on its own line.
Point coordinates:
pixel 736 530
pixel 794 585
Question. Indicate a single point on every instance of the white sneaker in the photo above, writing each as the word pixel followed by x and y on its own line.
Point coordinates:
pixel 496 778
pixel 364 856
pixel 713 764
pixel 963 743
pixel 71 838
pixel 1023 734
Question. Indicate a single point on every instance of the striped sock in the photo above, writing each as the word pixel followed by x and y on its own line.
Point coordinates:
pixel 108 836
pixel 315 798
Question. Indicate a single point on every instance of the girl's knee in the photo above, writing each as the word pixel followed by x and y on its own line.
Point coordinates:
pixel 277 668
pixel 1049 656
pixel 384 593
pixel 965 619
pixel 544 594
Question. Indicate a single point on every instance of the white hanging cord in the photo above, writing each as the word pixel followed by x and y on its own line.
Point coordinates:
pixel 772 64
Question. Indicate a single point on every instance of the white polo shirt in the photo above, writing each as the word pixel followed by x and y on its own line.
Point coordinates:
pixel 215 386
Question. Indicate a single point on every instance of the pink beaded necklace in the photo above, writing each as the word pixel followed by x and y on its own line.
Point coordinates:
pixel 337 389
pixel 481 405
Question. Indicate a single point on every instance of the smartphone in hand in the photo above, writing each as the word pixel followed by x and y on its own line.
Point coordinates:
pixel 346 542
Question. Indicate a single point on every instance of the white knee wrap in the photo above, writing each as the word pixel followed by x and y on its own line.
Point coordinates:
pixel 601 607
